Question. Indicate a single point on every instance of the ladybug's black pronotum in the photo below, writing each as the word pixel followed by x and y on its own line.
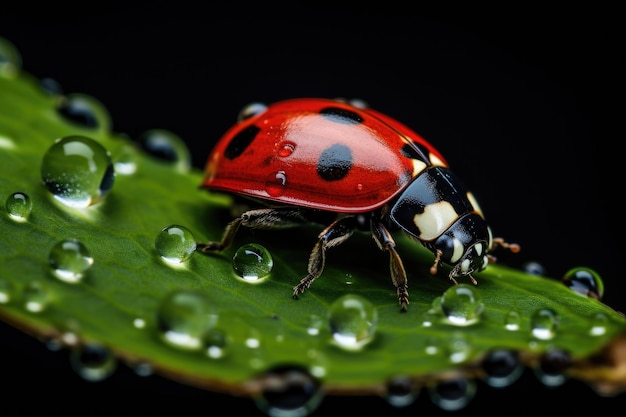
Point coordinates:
pixel 309 158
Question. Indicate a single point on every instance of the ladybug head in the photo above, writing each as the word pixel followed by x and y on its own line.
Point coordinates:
pixel 465 245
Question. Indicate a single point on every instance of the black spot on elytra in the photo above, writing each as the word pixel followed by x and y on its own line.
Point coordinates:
pixel 414 150
pixel 334 162
pixel 241 141
pixel 340 115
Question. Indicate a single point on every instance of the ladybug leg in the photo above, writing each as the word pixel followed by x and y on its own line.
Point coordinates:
pixel 271 218
pixel 333 235
pixel 385 242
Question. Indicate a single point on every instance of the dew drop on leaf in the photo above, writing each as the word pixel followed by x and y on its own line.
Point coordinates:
pixel 543 324
pixel 353 321
pixel 184 317
pixel 7 290
pixel 584 281
pixel 252 262
pixel 10 59
pixel 167 147
pixel 401 391
pixel 84 111
pixel 288 391
pixel 552 366
pixel 175 244
pixel 512 320
pixel 78 171
pixel 19 206
pixel 69 260
pixel 453 394
pixel 598 324
pixel 92 362
pixel 35 297
pixel 502 367
pixel 462 305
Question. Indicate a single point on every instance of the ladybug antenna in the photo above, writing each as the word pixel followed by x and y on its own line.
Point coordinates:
pixel 433 268
pixel 513 247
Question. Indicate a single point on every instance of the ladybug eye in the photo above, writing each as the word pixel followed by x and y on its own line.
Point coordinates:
pixel 250 110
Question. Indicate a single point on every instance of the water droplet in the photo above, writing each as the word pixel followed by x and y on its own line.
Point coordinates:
pixel 35 297
pixel 462 305
pixel 19 206
pixel 584 281
pixel 85 111
pixel 251 110
pixel 502 368
pixel 139 323
pixel 51 87
pixel 215 343
pixel 288 391
pixel 7 290
pixel 143 369
pixel 10 59
pixel 175 244
pixel 401 391
pixel 315 325
pixel 512 320
pixel 125 160
pixel 598 324
pixel 534 268
pixel 285 148
pixel 453 394
pixel 77 171
pixel 167 147
pixel 184 317
pixel 353 321
pixel 275 184
pixel 69 260
pixel 458 348
pixel 552 366
pixel 92 362
pixel 252 262
pixel 543 324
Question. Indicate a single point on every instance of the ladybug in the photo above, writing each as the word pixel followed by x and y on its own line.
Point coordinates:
pixel 323 160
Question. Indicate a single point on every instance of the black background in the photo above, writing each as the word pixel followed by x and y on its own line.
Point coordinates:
pixel 523 103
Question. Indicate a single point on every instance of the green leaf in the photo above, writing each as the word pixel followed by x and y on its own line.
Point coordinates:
pixel 117 303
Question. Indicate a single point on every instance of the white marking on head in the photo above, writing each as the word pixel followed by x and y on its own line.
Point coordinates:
pixel 465 266
pixel 435 219
pixel 458 250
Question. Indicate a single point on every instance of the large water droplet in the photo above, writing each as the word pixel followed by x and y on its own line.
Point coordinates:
pixel 462 305
pixel 69 260
pixel 92 362
pixel 543 324
pixel 353 321
pixel 84 111
pixel 453 394
pixel 552 366
pixel 19 206
pixel 184 317
pixel 288 391
pixel 252 262
pixel 167 147
pixel 401 391
pixel 502 367
pixel 77 171
pixel 175 244
pixel 584 281
pixel 10 59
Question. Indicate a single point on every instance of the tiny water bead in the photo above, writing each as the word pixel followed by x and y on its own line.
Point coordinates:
pixel 584 281
pixel 175 244
pixel 168 147
pixel 69 260
pixel 288 391
pixel 462 304
pixel 353 321
pixel 78 171
pixel 185 317
pixel 84 111
pixel 453 394
pixel 252 262
pixel 19 206
pixel 35 297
